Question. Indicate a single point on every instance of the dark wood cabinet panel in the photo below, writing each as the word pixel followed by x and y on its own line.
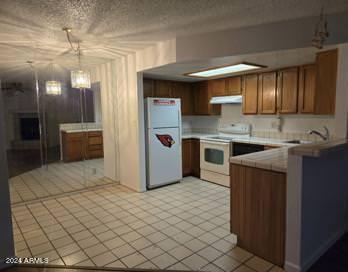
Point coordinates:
pixel 250 94
pixel 148 87
pixel 326 76
pixel 191 157
pixel 186 157
pixel 163 88
pixel 82 145
pixel 183 91
pixel 234 85
pixel 195 153
pixel 267 93
pixel 202 95
pixel 307 82
pixel 217 87
pixel 287 95
pixel 258 211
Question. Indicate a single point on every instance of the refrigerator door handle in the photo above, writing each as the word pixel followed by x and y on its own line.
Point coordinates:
pixel 179 125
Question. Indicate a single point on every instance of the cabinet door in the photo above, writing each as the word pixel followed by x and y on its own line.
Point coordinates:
pixel 163 88
pixel 265 214
pixel 186 157
pixel 325 92
pixel 183 91
pixel 217 87
pixel 148 87
pixel 267 93
pixel 287 90
pixel 307 83
pixel 202 95
pixel 234 85
pixel 195 161
pixel 250 94
pixel 74 146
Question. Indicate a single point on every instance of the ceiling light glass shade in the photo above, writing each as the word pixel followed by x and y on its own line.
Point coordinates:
pixel 53 88
pixel 230 69
pixel 80 79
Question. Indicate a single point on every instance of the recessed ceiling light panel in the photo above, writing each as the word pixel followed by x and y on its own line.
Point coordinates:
pixel 229 69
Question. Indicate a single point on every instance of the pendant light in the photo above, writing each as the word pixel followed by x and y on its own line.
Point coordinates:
pixel 80 79
pixel 53 87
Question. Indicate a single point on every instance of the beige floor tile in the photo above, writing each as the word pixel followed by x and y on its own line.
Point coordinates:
pixel 147 265
pixel 88 242
pixel 179 267
pixel 259 264
pixel 223 246
pixel 239 254
pixel 75 258
pixel 133 260
pixel 226 263
pixel 212 268
pixel 243 268
pixel 152 251
pixel 195 245
pixel 131 236
pixel 123 251
pixel 141 243
pixel 208 238
pixel 195 262
pixel 116 264
pixel 163 261
pixel 95 250
pixel 277 269
pixel 104 259
pixel 156 237
pixel 180 252
pixel 210 253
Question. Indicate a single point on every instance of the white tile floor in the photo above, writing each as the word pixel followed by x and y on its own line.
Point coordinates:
pixel 56 179
pixel 183 226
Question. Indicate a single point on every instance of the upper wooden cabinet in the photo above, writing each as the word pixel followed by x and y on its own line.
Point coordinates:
pixel 287 95
pixel 202 95
pixel 163 88
pixel 267 93
pixel 183 91
pixel 307 82
pixel 226 86
pixel 250 94
pixel 217 87
pixel 326 76
pixel 148 87
pixel 234 85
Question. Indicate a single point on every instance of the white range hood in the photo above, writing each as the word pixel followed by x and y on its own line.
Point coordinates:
pixel 232 99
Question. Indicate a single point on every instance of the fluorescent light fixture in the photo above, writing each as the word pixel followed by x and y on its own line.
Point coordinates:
pixel 80 79
pixel 229 69
pixel 53 87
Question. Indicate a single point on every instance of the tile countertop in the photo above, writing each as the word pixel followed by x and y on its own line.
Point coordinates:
pixel 81 130
pixel 273 159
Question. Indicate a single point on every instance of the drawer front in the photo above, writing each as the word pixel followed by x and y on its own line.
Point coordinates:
pixel 95 154
pixel 95 147
pixel 95 140
pixel 95 134
pixel 75 136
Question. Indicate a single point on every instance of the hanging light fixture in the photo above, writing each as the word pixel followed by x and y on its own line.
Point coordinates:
pixel 53 87
pixel 80 79
pixel 321 32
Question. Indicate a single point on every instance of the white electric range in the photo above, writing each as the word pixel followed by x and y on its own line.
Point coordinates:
pixel 216 151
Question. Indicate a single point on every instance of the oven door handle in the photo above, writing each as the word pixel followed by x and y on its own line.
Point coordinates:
pixel 214 142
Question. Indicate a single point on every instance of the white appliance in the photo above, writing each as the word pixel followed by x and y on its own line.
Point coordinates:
pixel 216 151
pixel 163 141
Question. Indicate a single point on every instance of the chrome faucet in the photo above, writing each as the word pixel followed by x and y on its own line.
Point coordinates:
pixel 325 136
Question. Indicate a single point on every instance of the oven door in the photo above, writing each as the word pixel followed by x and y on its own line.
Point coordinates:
pixel 215 156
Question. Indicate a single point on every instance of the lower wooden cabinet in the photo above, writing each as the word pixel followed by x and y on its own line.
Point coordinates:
pixel 258 211
pixel 78 146
pixel 190 157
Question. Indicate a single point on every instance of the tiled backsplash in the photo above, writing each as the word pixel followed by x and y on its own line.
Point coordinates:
pixel 288 135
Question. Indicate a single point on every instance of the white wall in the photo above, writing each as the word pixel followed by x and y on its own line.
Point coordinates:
pixel 123 120
pixel 6 234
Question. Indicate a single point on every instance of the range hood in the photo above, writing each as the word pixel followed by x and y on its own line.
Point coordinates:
pixel 232 99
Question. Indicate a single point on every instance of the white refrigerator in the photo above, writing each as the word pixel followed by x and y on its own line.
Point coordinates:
pixel 163 141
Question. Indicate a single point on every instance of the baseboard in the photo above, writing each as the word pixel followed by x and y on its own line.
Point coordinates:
pixel 290 267
pixel 321 250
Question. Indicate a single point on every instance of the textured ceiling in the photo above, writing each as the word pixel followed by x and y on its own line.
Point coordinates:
pixel 31 29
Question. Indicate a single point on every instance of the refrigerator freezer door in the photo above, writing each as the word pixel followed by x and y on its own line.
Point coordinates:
pixel 164 156
pixel 163 112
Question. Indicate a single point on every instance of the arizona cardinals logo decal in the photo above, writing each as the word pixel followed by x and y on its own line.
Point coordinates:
pixel 166 140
